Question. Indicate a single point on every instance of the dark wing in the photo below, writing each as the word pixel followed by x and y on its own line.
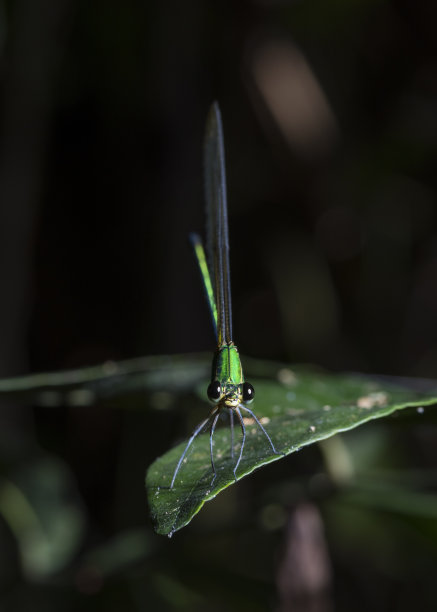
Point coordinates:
pixel 217 222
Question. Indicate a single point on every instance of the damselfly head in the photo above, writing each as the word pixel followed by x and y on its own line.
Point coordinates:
pixel 230 394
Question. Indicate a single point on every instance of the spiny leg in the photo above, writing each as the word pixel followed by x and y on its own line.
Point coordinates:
pixel 231 417
pixel 211 433
pixel 195 433
pixel 243 429
pixel 252 414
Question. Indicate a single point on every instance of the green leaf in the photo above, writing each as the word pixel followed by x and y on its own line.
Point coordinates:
pixel 302 408
pixel 297 409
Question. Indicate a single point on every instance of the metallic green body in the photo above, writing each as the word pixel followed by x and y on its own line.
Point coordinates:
pixel 226 365
pixel 226 368
pixel 203 267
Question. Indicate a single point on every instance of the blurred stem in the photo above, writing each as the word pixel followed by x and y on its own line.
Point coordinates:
pixel 36 34
pixel 304 574
pixel 338 460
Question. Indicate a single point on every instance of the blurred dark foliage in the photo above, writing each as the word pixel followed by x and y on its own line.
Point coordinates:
pixel 330 122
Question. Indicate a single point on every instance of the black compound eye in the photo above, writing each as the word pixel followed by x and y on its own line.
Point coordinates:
pixel 248 393
pixel 214 391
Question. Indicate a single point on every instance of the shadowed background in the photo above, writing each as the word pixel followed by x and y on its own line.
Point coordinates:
pixel 329 113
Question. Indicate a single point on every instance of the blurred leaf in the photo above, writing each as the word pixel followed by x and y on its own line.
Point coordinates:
pixel 389 497
pixel 84 386
pixel 127 548
pixel 303 408
pixel 41 505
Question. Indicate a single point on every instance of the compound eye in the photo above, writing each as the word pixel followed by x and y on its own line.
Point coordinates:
pixel 214 391
pixel 248 393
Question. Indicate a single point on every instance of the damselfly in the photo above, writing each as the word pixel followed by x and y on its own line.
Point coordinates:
pixel 227 389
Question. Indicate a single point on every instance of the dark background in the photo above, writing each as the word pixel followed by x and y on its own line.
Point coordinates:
pixel 330 121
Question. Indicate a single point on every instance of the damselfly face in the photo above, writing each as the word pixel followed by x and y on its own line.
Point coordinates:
pixel 232 395
pixel 229 394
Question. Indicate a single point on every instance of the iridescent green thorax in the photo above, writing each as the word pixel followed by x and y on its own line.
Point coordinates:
pixel 226 368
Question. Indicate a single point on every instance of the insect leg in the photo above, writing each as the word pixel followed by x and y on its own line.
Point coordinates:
pixel 231 417
pixel 195 433
pixel 211 433
pixel 252 414
pixel 243 429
